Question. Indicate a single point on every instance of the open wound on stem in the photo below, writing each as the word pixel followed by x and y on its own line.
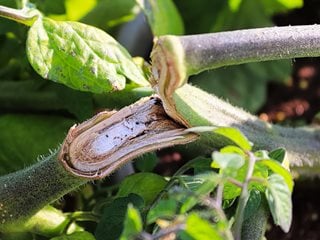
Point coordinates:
pixel 97 147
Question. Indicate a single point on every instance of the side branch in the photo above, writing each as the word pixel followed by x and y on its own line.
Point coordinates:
pixel 196 53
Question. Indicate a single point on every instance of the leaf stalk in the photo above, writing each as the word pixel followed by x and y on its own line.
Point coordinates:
pixel 25 16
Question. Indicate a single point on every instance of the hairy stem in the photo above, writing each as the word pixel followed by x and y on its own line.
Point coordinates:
pixel 254 228
pixel 25 192
pixel 208 51
pixel 24 16
pixel 174 58
pixel 91 150
pixel 243 199
pixel 199 108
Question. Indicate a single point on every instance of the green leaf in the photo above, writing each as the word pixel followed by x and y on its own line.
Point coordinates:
pixel 199 164
pixel 276 167
pixel 278 154
pixel 261 154
pixel 231 191
pixel 146 162
pixel 132 224
pixel 147 185
pixel 291 3
pixel 48 222
pixel 232 149
pixel 253 204
pixel 110 226
pixel 199 17
pixel 108 13
pixel 50 7
pixel 76 9
pixel 199 185
pixel 234 4
pixel 279 199
pixel 198 228
pixel 80 56
pixel 17 130
pixel 39 96
pixel 232 134
pixel 162 16
pixel 235 136
pixel 163 209
pixel 227 161
pixel 75 236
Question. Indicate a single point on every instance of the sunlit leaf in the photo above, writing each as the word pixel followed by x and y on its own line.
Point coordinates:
pixel 198 228
pixel 291 3
pixel 80 56
pixel 279 169
pixel 227 160
pixel 132 224
pixel 279 199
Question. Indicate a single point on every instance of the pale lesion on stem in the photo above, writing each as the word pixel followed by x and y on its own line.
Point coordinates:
pixel 99 146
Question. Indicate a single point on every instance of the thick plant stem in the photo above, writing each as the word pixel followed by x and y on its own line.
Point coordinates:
pixel 25 192
pixel 243 199
pixel 208 51
pixel 199 108
pixel 91 150
pixel 254 228
pixel 21 16
pixel 174 58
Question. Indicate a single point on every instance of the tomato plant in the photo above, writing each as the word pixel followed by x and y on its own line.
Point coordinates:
pixel 239 175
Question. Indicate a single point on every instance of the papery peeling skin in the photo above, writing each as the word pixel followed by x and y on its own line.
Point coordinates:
pixel 97 147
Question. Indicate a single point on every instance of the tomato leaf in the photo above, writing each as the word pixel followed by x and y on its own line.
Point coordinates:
pixel 80 56
pixel 279 199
